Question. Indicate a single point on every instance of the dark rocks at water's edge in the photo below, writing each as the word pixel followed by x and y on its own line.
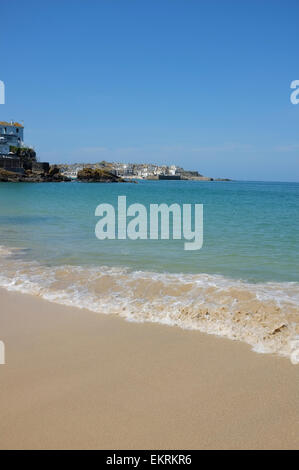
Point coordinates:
pixel 37 174
pixel 43 173
pixel 222 179
pixel 8 176
pixel 20 165
pixel 89 175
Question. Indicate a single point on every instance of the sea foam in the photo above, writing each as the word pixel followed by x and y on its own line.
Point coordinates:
pixel 264 315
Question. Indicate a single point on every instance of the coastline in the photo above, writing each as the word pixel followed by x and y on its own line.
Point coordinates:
pixel 76 379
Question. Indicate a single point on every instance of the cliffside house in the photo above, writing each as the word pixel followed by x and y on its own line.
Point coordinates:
pixel 11 134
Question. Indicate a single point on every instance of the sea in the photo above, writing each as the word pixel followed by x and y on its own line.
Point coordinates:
pixel 243 283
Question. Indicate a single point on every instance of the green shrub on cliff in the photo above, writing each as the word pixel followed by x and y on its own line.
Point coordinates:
pixel 25 154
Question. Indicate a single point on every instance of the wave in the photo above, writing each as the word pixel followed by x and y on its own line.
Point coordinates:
pixel 264 315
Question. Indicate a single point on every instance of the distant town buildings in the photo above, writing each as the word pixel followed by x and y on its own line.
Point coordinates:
pixel 16 157
pixel 133 170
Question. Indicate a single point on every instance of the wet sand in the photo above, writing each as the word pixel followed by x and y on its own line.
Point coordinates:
pixel 76 379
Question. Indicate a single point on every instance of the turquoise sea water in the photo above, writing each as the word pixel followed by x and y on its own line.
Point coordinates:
pixel 243 283
pixel 250 229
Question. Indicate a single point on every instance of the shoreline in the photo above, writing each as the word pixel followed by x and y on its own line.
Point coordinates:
pixel 77 379
pixel 206 303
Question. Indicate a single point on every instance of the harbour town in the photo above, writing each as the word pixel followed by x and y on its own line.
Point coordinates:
pixel 19 163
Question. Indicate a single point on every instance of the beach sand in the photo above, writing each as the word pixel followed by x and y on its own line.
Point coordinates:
pixel 75 379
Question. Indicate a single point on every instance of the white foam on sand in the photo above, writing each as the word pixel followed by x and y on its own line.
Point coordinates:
pixel 264 315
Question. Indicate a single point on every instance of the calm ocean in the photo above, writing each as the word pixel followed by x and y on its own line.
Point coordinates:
pixel 243 283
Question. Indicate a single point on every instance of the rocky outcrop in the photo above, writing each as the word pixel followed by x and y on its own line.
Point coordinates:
pixel 29 176
pixel 52 176
pixel 222 179
pixel 8 176
pixel 89 175
pixel 206 178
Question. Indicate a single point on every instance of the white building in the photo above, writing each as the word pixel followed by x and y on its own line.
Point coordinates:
pixel 172 170
pixel 11 133
pixel 4 147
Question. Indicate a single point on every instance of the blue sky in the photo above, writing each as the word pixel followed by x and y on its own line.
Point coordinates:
pixel 203 84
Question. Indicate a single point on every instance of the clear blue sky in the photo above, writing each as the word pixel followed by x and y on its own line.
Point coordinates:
pixel 204 84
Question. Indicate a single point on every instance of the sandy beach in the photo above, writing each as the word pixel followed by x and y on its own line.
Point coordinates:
pixel 75 379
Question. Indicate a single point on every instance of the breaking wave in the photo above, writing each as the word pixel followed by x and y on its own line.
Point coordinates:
pixel 264 315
